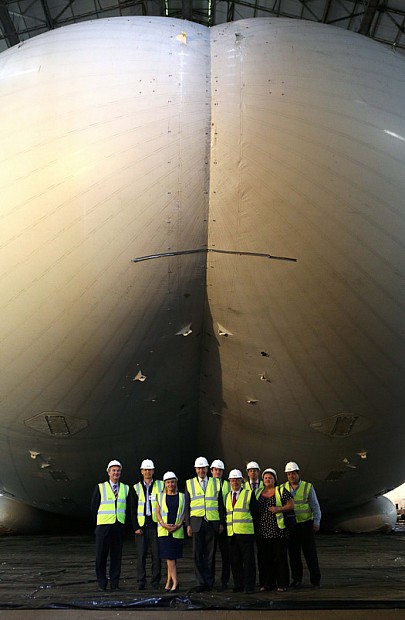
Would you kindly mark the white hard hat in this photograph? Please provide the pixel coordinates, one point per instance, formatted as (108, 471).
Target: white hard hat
(235, 473)
(252, 465)
(218, 463)
(291, 466)
(112, 463)
(201, 461)
(169, 475)
(270, 470)
(147, 464)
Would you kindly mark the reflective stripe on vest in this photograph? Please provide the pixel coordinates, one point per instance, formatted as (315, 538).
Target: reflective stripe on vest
(279, 515)
(157, 487)
(246, 485)
(164, 514)
(110, 510)
(239, 518)
(302, 508)
(204, 504)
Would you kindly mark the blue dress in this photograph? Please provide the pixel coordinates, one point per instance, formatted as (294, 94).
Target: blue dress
(171, 548)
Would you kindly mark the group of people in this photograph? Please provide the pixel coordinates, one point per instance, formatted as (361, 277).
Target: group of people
(237, 516)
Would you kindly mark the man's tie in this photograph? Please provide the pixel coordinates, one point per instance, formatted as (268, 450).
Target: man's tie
(234, 498)
(115, 489)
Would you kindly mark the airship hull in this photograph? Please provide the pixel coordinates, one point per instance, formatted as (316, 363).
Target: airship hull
(203, 254)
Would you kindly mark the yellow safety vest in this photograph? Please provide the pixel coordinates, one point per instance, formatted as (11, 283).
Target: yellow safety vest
(246, 485)
(164, 514)
(239, 518)
(226, 487)
(302, 508)
(279, 515)
(204, 504)
(157, 487)
(110, 510)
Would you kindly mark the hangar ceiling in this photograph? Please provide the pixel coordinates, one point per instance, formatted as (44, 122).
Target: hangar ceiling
(382, 20)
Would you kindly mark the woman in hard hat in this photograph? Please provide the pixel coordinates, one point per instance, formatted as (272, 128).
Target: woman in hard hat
(170, 518)
(271, 534)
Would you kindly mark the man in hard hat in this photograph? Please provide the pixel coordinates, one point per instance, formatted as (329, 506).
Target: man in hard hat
(204, 516)
(108, 506)
(144, 521)
(254, 482)
(221, 539)
(240, 509)
(302, 536)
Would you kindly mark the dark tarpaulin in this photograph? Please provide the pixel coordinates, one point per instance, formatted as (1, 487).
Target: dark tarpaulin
(51, 572)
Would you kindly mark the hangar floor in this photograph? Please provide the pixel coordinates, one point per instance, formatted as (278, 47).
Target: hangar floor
(362, 576)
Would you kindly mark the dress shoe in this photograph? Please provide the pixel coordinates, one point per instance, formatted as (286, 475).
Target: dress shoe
(249, 591)
(315, 586)
(141, 586)
(295, 584)
(115, 586)
(175, 588)
(237, 589)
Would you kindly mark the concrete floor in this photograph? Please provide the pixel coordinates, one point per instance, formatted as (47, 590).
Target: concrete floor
(53, 577)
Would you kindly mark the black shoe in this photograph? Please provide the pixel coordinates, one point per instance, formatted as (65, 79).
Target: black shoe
(115, 587)
(249, 591)
(237, 589)
(222, 588)
(103, 588)
(316, 586)
(295, 584)
(199, 589)
(141, 586)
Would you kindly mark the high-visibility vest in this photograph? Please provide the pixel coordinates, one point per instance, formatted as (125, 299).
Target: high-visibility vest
(226, 487)
(302, 508)
(204, 504)
(111, 510)
(246, 485)
(164, 515)
(239, 518)
(157, 487)
(279, 515)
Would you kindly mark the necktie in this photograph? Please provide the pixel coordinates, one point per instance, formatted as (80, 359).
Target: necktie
(233, 499)
(115, 489)
(204, 484)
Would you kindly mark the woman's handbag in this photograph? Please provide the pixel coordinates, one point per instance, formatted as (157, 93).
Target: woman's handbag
(289, 519)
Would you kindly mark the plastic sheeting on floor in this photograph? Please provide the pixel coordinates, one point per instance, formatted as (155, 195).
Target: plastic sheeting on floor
(49, 572)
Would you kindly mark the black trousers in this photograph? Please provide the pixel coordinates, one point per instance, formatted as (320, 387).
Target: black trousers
(302, 538)
(272, 560)
(221, 541)
(109, 540)
(203, 552)
(242, 556)
(148, 541)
